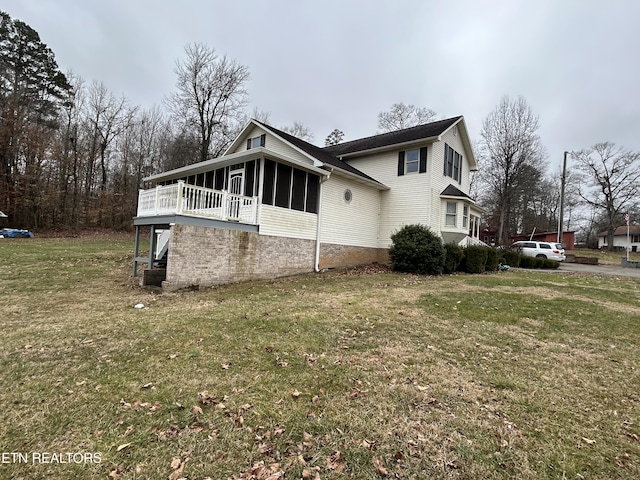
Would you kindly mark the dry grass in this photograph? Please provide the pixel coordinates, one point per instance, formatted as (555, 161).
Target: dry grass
(341, 374)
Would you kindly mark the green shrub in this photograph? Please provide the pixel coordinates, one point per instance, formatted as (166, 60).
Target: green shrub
(511, 258)
(493, 259)
(550, 264)
(528, 262)
(416, 249)
(453, 256)
(475, 259)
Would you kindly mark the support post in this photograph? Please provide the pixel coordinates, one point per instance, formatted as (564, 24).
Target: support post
(152, 246)
(136, 246)
(563, 180)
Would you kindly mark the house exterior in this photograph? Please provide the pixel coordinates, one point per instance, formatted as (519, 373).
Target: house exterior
(275, 205)
(620, 239)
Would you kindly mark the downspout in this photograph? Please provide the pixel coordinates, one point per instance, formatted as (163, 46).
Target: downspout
(317, 259)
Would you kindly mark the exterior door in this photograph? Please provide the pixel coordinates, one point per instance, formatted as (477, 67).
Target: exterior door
(236, 187)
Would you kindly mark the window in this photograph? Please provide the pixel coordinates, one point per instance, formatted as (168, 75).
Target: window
(313, 187)
(269, 178)
(256, 142)
(465, 216)
(452, 163)
(298, 189)
(288, 187)
(283, 185)
(450, 218)
(412, 161)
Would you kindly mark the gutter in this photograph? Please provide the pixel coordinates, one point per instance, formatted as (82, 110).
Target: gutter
(317, 256)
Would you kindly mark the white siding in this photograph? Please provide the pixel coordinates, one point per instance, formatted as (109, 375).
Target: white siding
(409, 199)
(415, 197)
(354, 223)
(274, 144)
(282, 222)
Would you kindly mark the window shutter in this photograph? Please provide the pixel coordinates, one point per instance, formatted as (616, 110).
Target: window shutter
(400, 163)
(248, 144)
(446, 154)
(423, 160)
(263, 139)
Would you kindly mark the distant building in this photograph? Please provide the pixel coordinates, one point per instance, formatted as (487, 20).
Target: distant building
(568, 238)
(620, 238)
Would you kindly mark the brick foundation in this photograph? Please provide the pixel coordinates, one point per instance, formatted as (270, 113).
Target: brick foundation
(205, 256)
(336, 256)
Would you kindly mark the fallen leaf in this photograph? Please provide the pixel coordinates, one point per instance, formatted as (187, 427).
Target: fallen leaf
(175, 463)
(225, 366)
(588, 441)
(123, 446)
(207, 399)
(336, 463)
(147, 385)
(380, 467)
(295, 394)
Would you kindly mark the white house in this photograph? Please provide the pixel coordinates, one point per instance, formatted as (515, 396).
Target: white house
(275, 205)
(620, 239)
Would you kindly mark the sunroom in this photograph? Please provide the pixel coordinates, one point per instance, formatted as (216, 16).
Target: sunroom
(257, 190)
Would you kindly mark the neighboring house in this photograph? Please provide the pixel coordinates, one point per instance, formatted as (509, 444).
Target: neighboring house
(620, 239)
(275, 205)
(568, 238)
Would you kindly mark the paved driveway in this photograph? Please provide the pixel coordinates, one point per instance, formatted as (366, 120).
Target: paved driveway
(614, 270)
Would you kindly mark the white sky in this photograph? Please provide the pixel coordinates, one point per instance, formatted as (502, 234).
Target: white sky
(338, 63)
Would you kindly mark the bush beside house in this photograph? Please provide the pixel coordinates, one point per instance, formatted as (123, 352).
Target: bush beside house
(416, 249)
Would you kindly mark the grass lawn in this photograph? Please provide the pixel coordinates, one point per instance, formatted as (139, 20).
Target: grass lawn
(356, 374)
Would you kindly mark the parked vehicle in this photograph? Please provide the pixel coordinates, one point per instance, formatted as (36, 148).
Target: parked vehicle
(552, 251)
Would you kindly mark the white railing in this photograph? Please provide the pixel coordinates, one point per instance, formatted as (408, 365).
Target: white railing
(184, 199)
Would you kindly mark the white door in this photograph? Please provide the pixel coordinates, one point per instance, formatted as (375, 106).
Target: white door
(236, 187)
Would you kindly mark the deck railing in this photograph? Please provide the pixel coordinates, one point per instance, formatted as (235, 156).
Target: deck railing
(184, 199)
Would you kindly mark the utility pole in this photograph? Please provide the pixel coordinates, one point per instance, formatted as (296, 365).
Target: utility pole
(562, 182)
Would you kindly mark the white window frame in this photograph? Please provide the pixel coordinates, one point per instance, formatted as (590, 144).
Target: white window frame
(451, 218)
(415, 164)
(465, 216)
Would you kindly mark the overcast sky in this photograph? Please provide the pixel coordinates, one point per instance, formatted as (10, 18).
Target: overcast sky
(337, 64)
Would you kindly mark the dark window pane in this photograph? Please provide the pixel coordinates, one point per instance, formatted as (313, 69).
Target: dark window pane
(312, 193)
(283, 185)
(219, 179)
(297, 193)
(249, 178)
(269, 176)
(208, 179)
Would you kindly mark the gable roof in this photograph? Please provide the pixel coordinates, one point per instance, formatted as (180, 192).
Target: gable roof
(622, 231)
(420, 132)
(316, 152)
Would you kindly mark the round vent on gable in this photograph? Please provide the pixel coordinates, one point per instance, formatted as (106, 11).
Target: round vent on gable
(455, 130)
(348, 196)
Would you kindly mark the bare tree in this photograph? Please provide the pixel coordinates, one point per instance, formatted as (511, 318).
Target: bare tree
(210, 97)
(611, 178)
(334, 138)
(299, 130)
(511, 149)
(403, 116)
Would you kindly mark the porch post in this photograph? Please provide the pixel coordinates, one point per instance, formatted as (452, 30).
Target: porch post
(260, 191)
(152, 246)
(135, 251)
